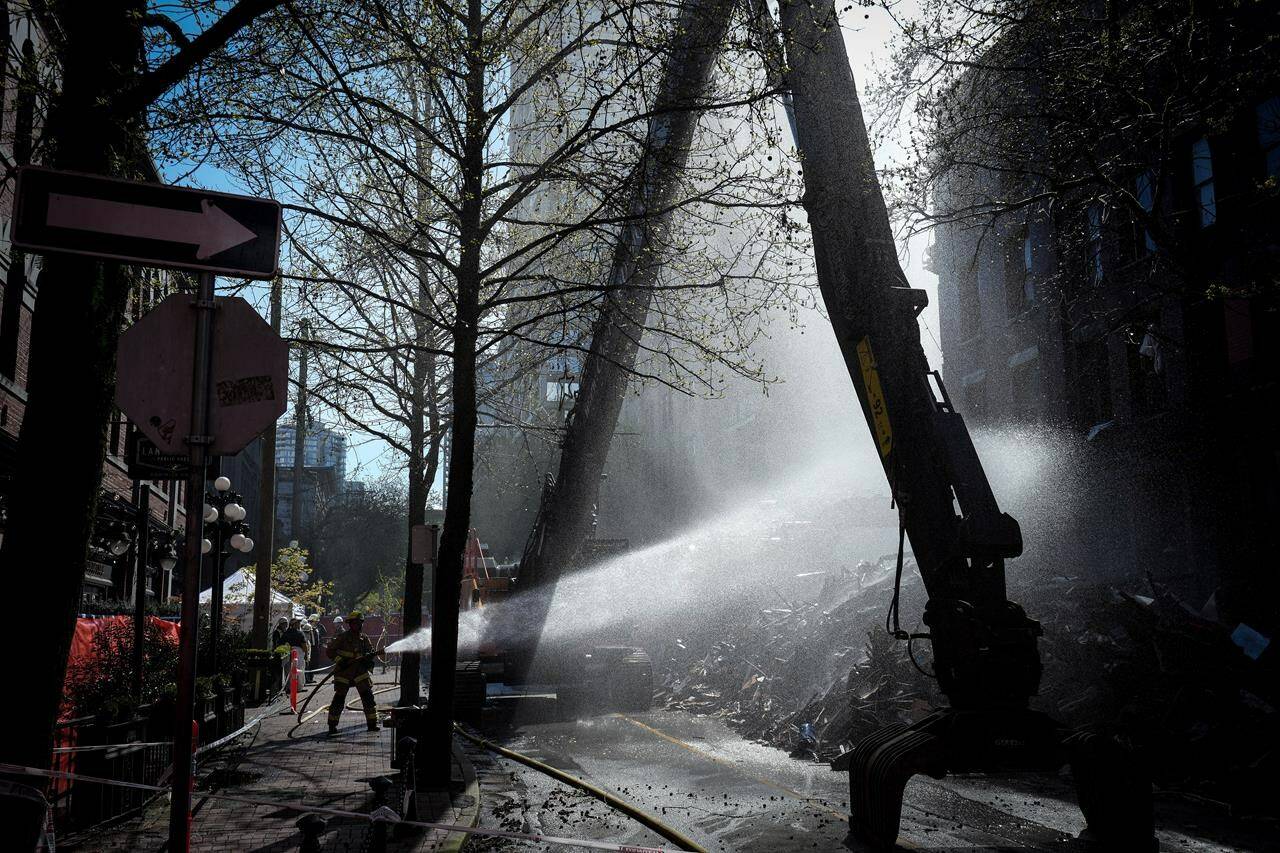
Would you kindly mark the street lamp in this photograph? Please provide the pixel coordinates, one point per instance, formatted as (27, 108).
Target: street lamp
(225, 531)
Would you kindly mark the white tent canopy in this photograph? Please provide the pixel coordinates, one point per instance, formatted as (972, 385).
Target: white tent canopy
(237, 601)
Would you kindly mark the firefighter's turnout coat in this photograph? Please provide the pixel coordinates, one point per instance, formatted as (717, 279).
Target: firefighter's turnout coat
(351, 664)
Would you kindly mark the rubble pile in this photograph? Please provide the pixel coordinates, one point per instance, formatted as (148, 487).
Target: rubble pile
(815, 677)
(828, 664)
(1174, 682)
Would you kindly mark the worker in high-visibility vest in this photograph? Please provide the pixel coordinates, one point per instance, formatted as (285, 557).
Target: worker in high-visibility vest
(352, 655)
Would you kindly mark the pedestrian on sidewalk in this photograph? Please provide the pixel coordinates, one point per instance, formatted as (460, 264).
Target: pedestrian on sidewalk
(353, 656)
(304, 661)
(317, 642)
(282, 625)
(296, 638)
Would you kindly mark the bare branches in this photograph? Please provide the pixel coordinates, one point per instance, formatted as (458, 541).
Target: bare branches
(155, 83)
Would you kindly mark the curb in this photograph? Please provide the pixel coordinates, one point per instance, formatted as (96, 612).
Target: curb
(468, 816)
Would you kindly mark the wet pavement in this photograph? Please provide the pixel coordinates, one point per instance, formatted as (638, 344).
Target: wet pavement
(289, 766)
(728, 794)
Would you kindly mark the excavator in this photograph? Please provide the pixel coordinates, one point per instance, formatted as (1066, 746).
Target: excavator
(985, 655)
(984, 645)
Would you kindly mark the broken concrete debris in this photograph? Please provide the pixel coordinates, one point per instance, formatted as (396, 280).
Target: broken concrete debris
(1197, 698)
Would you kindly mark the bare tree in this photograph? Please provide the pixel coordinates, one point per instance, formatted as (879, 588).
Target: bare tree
(456, 177)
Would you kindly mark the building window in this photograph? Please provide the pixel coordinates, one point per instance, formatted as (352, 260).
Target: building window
(1269, 135)
(1145, 352)
(970, 305)
(1020, 290)
(1024, 381)
(1202, 182)
(1145, 190)
(974, 395)
(561, 389)
(117, 421)
(1095, 242)
(1028, 265)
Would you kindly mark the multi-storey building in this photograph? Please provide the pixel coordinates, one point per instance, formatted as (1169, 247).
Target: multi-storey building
(28, 75)
(109, 571)
(1156, 359)
(324, 463)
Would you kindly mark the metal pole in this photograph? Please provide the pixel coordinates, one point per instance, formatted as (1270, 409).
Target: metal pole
(220, 500)
(142, 548)
(435, 747)
(266, 511)
(215, 603)
(198, 445)
(300, 436)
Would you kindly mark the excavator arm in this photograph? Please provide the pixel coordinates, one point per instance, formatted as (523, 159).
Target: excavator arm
(984, 646)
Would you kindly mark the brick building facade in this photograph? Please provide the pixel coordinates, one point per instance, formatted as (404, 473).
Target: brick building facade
(1162, 372)
(109, 576)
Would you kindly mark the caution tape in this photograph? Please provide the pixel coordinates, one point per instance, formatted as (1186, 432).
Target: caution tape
(62, 750)
(382, 814)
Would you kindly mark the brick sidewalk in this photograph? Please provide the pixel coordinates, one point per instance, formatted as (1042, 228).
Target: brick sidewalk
(280, 764)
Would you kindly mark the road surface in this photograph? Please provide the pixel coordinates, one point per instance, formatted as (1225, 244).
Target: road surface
(729, 794)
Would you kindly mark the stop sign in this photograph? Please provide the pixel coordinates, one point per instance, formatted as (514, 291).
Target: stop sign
(250, 374)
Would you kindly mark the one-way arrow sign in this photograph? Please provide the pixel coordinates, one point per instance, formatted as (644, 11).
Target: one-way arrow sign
(148, 224)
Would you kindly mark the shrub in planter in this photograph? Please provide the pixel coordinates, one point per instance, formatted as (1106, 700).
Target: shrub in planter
(232, 646)
(115, 709)
(104, 681)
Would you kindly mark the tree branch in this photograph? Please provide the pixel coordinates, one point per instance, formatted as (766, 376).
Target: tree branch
(153, 84)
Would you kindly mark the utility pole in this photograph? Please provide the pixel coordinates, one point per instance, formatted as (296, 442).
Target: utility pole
(266, 509)
(300, 433)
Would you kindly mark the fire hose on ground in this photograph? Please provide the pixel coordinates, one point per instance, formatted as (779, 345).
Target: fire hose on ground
(645, 819)
(648, 820)
(382, 814)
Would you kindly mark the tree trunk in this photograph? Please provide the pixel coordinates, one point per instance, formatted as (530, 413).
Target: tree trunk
(461, 474)
(93, 126)
(615, 340)
(419, 485)
(70, 387)
(422, 465)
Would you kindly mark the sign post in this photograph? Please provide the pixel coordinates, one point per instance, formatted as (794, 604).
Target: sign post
(198, 441)
(422, 550)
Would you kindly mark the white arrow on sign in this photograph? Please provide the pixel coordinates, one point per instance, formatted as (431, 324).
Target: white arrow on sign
(212, 229)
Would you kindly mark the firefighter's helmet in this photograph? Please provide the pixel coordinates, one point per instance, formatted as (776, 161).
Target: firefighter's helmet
(355, 616)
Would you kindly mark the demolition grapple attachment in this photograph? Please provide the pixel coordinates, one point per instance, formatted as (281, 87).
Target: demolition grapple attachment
(1114, 794)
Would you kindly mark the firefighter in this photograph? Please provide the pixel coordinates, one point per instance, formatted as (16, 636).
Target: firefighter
(352, 655)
